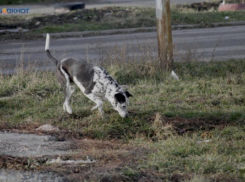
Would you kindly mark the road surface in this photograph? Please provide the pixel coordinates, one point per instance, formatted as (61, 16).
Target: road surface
(221, 44)
(48, 9)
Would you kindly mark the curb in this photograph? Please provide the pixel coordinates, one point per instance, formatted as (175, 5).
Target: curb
(136, 30)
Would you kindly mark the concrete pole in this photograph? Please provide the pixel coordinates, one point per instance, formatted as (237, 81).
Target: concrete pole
(164, 34)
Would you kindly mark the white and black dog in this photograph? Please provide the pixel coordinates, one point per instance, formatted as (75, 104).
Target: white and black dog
(93, 81)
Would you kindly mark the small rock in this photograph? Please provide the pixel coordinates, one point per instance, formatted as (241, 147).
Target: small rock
(37, 23)
(48, 127)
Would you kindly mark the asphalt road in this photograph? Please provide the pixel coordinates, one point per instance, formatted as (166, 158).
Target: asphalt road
(48, 9)
(221, 44)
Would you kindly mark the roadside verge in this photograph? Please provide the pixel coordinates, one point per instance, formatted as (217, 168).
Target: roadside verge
(136, 30)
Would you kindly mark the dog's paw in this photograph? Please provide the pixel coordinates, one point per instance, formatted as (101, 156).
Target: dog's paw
(67, 109)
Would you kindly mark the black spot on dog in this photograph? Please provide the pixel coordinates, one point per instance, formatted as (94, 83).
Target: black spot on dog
(120, 98)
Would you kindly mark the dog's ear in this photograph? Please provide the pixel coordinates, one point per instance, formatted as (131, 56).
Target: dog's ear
(128, 94)
(120, 97)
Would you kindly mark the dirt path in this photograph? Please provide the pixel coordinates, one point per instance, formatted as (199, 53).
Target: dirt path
(21, 176)
(24, 157)
(30, 145)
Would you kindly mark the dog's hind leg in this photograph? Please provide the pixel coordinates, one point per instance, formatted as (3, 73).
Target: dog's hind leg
(69, 89)
(68, 92)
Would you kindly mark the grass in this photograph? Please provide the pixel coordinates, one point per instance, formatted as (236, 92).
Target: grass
(189, 130)
(222, 156)
(206, 91)
(194, 127)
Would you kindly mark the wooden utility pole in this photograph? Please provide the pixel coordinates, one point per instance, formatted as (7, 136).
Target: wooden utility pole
(164, 34)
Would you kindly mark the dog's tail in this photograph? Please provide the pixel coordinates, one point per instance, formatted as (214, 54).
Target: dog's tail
(51, 58)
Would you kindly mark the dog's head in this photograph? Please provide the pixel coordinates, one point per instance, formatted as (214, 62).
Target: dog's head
(121, 101)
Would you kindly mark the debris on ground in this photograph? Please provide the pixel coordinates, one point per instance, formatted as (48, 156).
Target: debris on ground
(173, 74)
(48, 127)
(60, 161)
(204, 141)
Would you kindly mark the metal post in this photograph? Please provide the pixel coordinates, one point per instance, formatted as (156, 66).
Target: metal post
(164, 34)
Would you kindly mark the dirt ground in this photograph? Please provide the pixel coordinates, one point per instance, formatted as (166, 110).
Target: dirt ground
(113, 159)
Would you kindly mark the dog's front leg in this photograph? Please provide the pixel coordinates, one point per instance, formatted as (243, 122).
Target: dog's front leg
(99, 103)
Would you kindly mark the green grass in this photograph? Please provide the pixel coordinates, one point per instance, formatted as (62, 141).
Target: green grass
(172, 119)
(222, 156)
(207, 91)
